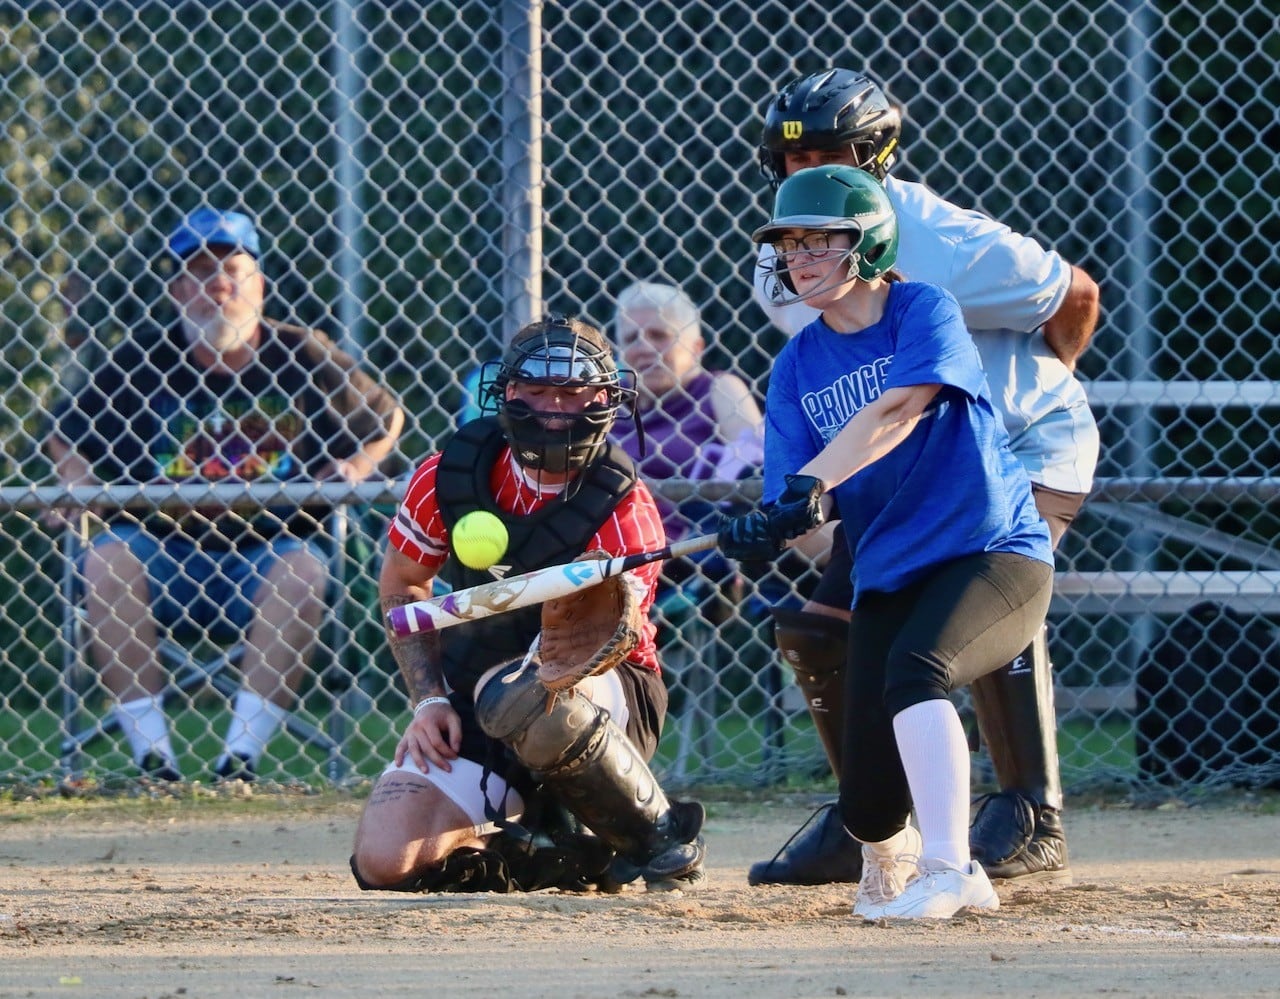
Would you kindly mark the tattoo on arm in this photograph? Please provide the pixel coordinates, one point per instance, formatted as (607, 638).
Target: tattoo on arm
(417, 655)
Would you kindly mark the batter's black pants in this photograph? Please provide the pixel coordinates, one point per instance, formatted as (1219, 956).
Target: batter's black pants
(968, 618)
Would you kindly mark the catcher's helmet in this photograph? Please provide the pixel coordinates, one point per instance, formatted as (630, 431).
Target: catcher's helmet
(834, 109)
(557, 351)
(837, 198)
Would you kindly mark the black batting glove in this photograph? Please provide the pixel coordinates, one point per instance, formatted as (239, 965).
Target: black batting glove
(763, 534)
(747, 538)
(798, 510)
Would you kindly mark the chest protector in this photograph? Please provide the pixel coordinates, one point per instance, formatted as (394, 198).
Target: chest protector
(556, 533)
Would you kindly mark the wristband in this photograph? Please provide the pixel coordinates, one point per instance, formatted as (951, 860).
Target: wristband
(417, 708)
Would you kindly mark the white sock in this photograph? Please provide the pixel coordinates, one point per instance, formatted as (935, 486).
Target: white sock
(935, 756)
(144, 724)
(254, 721)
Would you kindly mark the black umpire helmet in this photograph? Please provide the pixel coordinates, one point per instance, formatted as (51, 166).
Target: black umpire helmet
(556, 351)
(834, 109)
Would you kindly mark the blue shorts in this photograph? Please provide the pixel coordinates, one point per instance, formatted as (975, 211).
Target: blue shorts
(210, 589)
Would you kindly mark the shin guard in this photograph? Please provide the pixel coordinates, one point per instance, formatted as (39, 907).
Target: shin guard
(589, 766)
(1015, 712)
(607, 785)
(816, 646)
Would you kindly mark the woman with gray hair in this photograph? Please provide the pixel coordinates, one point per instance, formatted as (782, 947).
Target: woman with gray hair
(698, 424)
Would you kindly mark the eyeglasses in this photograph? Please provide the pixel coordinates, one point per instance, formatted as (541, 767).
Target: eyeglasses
(816, 244)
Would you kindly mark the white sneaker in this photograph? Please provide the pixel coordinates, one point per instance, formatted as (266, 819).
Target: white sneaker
(939, 891)
(884, 878)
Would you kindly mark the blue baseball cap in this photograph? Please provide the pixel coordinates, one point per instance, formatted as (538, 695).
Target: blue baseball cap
(207, 227)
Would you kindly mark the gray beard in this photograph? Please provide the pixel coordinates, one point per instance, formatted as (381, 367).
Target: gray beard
(215, 333)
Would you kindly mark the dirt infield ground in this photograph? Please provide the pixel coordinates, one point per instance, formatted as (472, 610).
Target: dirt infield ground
(175, 901)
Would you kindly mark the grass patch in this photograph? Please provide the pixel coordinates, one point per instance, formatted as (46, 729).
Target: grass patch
(728, 750)
(141, 802)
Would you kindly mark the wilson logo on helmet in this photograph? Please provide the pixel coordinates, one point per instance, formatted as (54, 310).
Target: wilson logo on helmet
(792, 130)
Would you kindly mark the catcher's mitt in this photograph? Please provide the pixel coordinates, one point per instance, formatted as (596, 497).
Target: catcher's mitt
(589, 632)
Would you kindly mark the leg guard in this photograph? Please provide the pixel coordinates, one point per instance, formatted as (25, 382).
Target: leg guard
(590, 766)
(816, 646)
(1017, 834)
(820, 852)
(1015, 712)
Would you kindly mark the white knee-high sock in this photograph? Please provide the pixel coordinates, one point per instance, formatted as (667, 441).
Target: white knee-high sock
(144, 724)
(935, 756)
(254, 721)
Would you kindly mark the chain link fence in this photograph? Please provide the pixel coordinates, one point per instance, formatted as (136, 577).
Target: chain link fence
(429, 175)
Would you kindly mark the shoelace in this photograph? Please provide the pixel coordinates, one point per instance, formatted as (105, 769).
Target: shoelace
(929, 875)
(826, 806)
(883, 877)
(1022, 811)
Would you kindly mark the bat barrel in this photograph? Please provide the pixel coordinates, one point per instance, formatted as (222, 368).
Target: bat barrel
(525, 589)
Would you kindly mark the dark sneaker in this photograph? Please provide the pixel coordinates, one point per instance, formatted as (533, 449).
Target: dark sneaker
(818, 853)
(1016, 839)
(680, 865)
(236, 767)
(156, 767)
(681, 852)
(685, 882)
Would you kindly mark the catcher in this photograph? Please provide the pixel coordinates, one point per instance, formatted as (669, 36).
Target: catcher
(524, 765)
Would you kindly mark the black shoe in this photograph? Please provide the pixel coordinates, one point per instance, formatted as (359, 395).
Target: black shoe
(818, 853)
(678, 863)
(156, 767)
(236, 766)
(1016, 839)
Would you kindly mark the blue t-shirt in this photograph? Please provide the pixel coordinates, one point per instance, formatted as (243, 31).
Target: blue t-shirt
(953, 488)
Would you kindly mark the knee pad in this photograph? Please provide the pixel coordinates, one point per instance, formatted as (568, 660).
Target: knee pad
(541, 729)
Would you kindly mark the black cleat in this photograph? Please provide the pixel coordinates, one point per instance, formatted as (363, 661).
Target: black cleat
(236, 767)
(818, 853)
(678, 862)
(156, 767)
(1016, 839)
(680, 865)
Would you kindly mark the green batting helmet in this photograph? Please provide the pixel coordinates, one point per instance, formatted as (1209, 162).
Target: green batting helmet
(838, 199)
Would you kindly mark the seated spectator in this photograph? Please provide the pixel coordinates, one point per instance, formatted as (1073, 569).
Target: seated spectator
(223, 395)
(697, 423)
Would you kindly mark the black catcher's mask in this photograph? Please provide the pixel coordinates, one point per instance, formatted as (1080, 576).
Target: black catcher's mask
(556, 351)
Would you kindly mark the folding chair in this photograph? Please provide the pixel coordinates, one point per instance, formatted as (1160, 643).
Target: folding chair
(191, 675)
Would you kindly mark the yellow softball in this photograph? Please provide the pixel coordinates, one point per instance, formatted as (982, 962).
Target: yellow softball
(479, 539)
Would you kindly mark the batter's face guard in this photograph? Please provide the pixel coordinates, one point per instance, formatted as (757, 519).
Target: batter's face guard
(834, 109)
(560, 353)
(813, 203)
